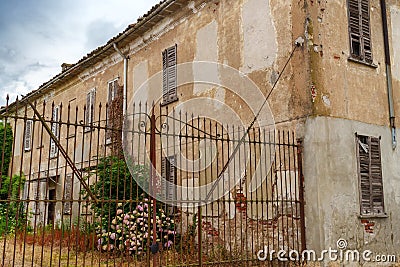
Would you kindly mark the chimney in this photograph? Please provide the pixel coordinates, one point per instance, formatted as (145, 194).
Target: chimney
(65, 66)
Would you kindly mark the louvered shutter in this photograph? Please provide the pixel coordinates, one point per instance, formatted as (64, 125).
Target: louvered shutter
(164, 178)
(370, 173)
(68, 193)
(28, 135)
(359, 30)
(171, 178)
(110, 99)
(170, 74)
(165, 77)
(92, 104)
(116, 89)
(354, 28)
(365, 31)
(87, 111)
(55, 131)
(376, 177)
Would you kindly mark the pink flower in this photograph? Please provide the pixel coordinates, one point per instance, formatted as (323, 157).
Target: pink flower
(140, 208)
(168, 244)
(119, 211)
(112, 236)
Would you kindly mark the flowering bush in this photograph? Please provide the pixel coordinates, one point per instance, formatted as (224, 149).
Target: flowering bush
(129, 231)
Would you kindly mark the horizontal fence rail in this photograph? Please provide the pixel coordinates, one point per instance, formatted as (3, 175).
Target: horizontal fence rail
(157, 187)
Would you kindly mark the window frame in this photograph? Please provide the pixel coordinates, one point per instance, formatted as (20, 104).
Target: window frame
(369, 150)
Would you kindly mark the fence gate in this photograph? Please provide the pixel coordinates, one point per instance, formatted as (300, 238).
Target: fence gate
(81, 188)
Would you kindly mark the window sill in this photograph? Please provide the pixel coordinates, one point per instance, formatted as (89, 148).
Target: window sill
(371, 216)
(169, 101)
(356, 60)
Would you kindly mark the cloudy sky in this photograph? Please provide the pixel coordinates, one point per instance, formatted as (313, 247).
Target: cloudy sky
(37, 36)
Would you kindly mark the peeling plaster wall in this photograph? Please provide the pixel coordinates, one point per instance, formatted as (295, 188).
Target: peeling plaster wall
(254, 36)
(331, 188)
(395, 27)
(259, 36)
(140, 76)
(344, 88)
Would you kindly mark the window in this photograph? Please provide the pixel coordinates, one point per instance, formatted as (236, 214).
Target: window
(89, 113)
(370, 176)
(169, 75)
(28, 135)
(55, 129)
(168, 172)
(114, 109)
(359, 30)
(112, 90)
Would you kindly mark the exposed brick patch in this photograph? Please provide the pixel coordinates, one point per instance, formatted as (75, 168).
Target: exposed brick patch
(241, 202)
(368, 226)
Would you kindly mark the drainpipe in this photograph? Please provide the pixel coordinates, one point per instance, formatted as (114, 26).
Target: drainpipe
(125, 76)
(388, 73)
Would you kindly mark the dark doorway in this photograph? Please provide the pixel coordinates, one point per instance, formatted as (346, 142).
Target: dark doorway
(51, 207)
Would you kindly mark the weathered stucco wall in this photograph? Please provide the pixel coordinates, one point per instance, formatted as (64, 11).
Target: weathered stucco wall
(395, 22)
(332, 187)
(344, 88)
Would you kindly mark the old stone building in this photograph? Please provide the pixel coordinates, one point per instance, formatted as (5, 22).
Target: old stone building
(339, 93)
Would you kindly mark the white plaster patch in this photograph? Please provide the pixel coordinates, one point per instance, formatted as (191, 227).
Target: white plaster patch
(206, 50)
(326, 100)
(259, 36)
(395, 19)
(140, 76)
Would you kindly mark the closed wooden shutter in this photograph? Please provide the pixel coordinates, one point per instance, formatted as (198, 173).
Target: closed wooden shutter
(90, 106)
(370, 174)
(168, 171)
(55, 130)
(68, 193)
(359, 30)
(366, 31)
(28, 135)
(170, 74)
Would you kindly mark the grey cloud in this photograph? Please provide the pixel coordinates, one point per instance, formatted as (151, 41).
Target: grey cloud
(98, 32)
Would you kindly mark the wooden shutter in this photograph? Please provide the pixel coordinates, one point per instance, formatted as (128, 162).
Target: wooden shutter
(168, 171)
(365, 31)
(170, 74)
(87, 111)
(370, 174)
(28, 135)
(376, 176)
(90, 105)
(359, 30)
(55, 130)
(354, 28)
(164, 175)
(165, 77)
(68, 193)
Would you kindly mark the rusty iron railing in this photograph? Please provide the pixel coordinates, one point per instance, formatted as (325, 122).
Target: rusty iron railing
(73, 194)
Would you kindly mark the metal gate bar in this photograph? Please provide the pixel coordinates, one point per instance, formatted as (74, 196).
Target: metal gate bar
(75, 191)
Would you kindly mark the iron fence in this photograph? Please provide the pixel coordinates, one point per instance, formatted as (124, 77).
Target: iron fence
(80, 187)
